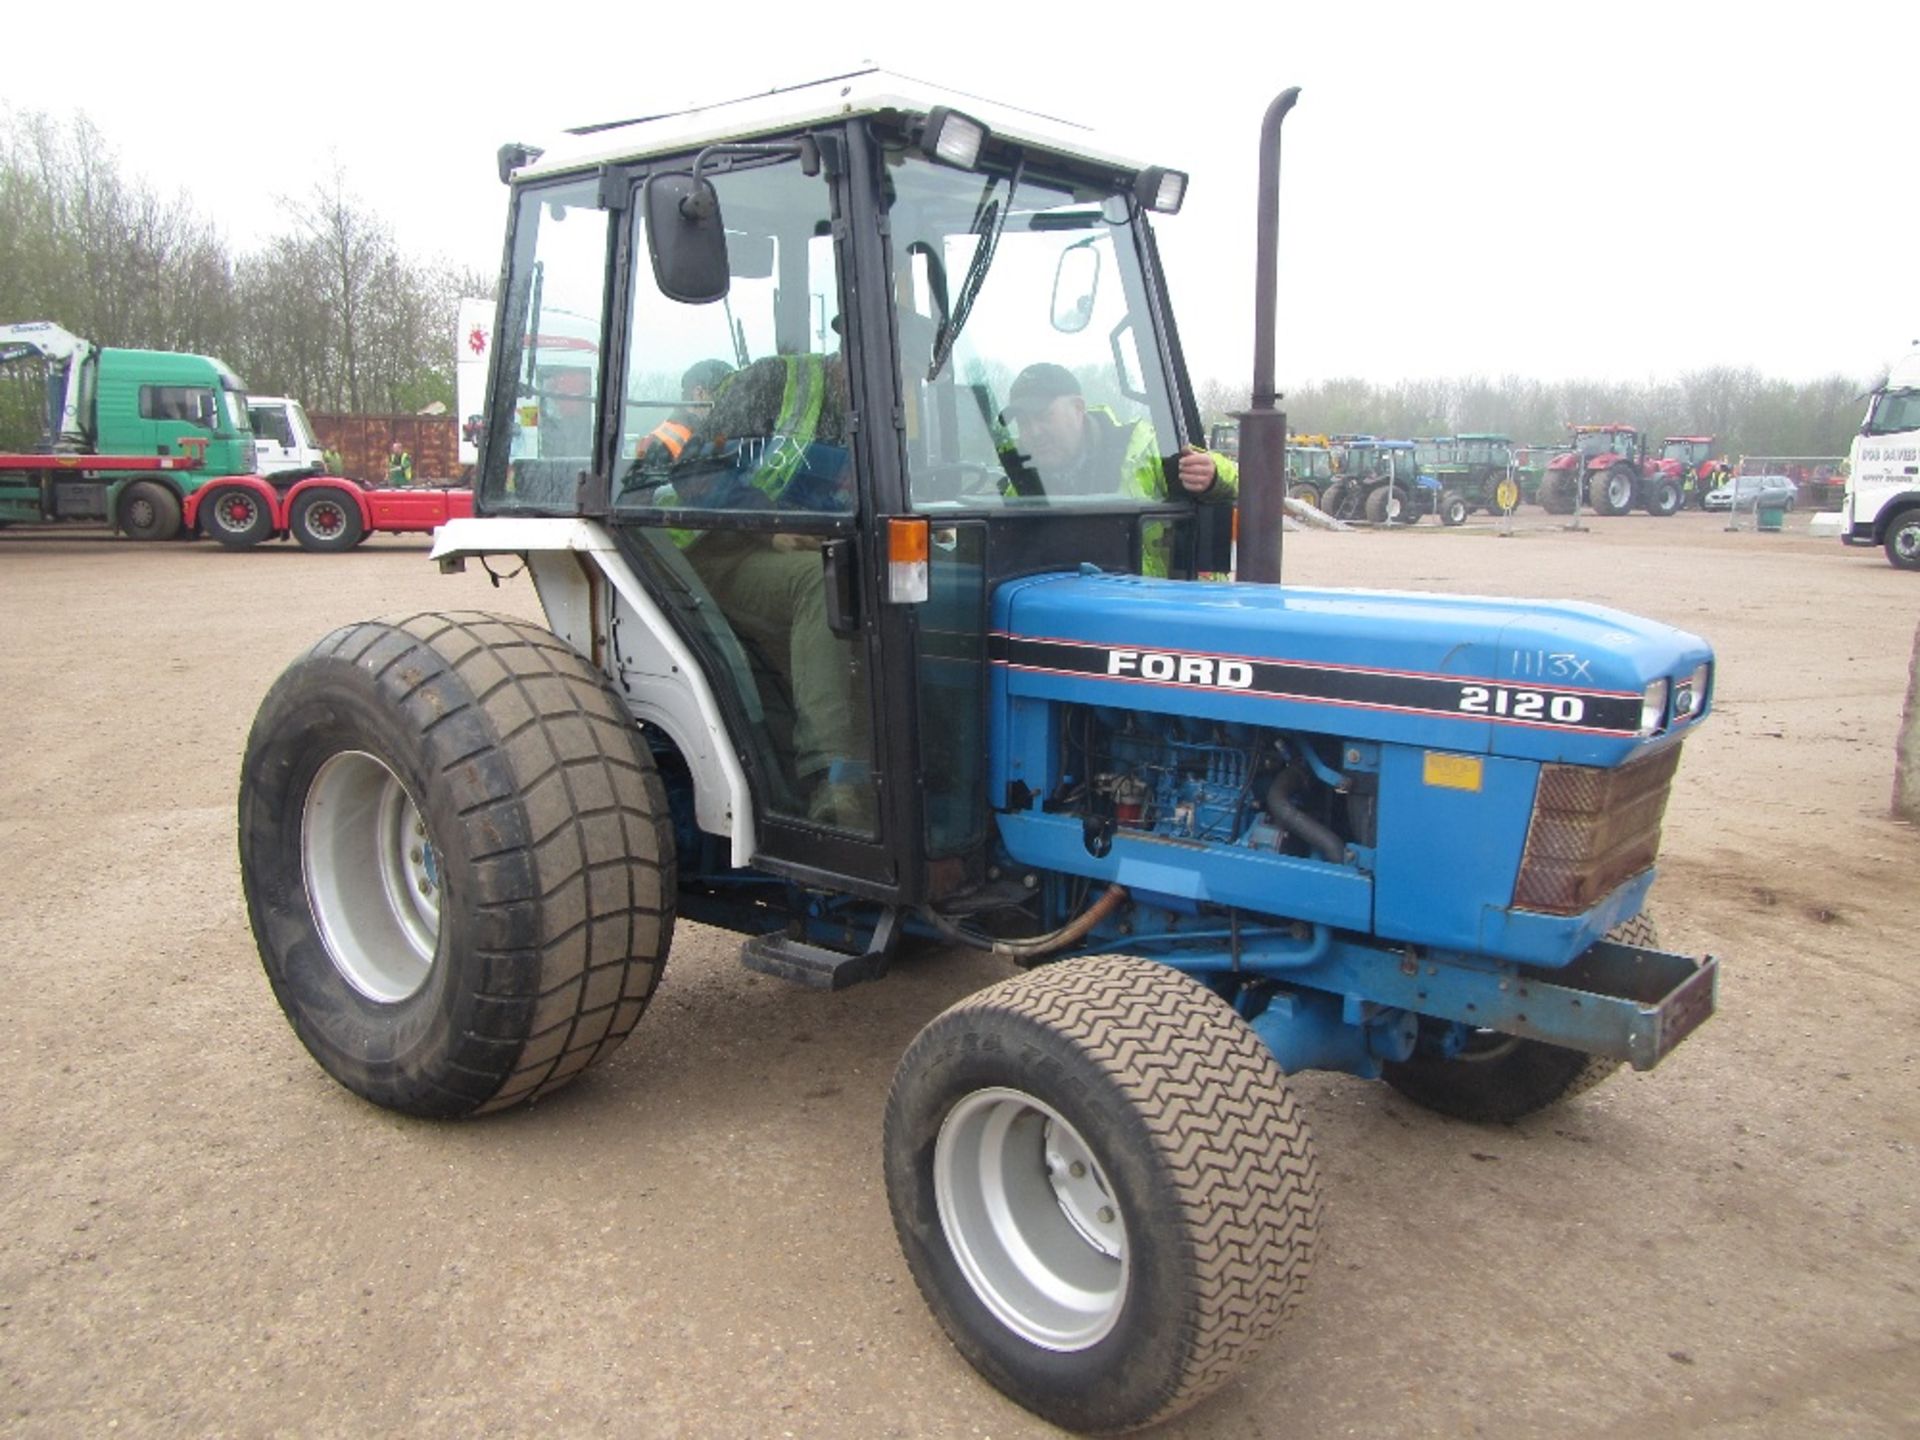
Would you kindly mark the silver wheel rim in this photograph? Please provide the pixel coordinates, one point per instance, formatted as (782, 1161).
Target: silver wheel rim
(1031, 1219)
(1906, 542)
(372, 877)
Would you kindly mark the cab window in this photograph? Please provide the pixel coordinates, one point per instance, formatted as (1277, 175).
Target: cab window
(181, 404)
(549, 363)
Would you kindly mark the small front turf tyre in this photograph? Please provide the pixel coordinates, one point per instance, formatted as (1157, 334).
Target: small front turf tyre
(1306, 492)
(326, 519)
(1903, 540)
(1663, 497)
(236, 517)
(457, 861)
(1453, 509)
(1103, 1187)
(149, 511)
(1504, 1078)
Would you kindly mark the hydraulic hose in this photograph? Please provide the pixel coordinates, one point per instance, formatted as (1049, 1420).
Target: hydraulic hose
(1037, 945)
(1295, 821)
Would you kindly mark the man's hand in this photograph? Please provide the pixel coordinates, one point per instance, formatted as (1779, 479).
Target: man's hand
(1196, 470)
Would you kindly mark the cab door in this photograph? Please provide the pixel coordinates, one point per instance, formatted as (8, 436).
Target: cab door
(722, 443)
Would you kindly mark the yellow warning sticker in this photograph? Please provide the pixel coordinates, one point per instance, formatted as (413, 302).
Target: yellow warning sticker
(1452, 772)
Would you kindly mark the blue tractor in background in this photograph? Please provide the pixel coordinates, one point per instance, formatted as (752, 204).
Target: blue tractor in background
(1383, 483)
(831, 662)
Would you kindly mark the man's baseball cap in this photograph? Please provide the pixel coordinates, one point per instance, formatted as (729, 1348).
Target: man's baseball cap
(704, 375)
(1038, 386)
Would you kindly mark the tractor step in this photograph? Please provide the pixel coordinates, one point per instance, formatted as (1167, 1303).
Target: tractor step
(817, 967)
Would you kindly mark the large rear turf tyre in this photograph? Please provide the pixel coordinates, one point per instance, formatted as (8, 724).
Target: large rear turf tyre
(457, 861)
(1501, 1077)
(1103, 1188)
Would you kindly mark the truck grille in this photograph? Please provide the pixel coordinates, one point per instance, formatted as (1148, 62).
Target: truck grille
(1592, 830)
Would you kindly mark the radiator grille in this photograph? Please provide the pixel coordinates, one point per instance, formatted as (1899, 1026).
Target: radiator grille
(1592, 830)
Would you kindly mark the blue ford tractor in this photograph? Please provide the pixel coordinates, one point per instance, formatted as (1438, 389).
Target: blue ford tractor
(832, 660)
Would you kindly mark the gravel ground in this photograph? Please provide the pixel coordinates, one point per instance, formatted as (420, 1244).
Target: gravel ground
(201, 1234)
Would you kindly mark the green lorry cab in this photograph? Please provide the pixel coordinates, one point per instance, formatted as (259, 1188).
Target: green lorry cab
(123, 436)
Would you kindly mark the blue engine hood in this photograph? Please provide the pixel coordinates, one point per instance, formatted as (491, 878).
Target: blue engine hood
(1544, 680)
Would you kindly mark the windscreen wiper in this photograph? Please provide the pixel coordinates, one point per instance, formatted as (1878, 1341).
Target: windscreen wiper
(988, 223)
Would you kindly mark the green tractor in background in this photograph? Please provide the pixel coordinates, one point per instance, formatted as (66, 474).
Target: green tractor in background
(1478, 468)
(1310, 460)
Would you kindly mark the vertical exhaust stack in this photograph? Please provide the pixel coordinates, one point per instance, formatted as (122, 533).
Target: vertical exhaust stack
(1263, 428)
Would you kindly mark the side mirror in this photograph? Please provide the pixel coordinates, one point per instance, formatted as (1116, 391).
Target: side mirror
(1076, 280)
(686, 240)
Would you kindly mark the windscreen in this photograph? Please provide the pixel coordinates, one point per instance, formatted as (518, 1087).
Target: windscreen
(1030, 370)
(1894, 412)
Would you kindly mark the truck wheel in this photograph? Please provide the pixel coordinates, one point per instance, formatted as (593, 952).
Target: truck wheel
(326, 520)
(149, 511)
(1663, 497)
(1501, 1077)
(1103, 1187)
(1903, 540)
(1453, 509)
(235, 517)
(457, 860)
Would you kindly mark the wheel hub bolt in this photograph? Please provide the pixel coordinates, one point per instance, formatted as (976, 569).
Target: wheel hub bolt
(1106, 1215)
(426, 886)
(1077, 1170)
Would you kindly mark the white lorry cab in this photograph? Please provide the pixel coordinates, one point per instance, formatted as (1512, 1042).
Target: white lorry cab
(283, 440)
(1883, 471)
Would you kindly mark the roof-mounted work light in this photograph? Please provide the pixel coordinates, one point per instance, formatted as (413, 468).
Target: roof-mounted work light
(1161, 190)
(952, 138)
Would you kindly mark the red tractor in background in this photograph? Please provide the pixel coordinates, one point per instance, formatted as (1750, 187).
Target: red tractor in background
(1690, 460)
(1607, 464)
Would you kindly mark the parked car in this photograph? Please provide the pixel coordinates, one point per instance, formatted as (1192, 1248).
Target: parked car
(1746, 492)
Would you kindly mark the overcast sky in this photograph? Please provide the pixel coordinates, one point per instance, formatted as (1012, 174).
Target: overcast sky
(1614, 191)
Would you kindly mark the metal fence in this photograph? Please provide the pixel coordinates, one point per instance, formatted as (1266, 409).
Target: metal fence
(1820, 479)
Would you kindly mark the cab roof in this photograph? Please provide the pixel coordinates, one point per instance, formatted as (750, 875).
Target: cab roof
(864, 91)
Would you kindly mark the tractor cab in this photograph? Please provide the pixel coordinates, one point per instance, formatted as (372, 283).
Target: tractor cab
(827, 382)
(1600, 446)
(1690, 451)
